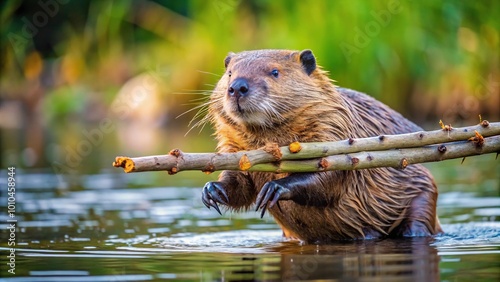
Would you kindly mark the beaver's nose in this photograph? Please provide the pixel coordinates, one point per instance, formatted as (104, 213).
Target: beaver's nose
(238, 88)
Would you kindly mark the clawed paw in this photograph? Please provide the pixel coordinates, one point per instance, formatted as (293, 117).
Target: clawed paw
(213, 193)
(270, 194)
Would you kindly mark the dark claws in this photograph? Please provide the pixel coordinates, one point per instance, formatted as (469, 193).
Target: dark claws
(211, 195)
(263, 211)
(210, 203)
(269, 196)
(275, 198)
(279, 208)
(260, 203)
(216, 207)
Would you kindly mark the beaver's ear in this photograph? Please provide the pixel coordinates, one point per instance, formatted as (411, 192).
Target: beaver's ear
(228, 59)
(308, 61)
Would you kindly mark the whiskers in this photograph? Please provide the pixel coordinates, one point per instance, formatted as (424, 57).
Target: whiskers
(267, 112)
(275, 108)
(201, 106)
(210, 73)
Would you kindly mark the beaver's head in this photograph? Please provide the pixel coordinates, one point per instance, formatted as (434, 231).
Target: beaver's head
(265, 87)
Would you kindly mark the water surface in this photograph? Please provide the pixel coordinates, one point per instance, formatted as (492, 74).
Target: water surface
(113, 229)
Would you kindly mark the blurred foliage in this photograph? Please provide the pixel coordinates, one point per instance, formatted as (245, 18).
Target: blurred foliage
(67, 59)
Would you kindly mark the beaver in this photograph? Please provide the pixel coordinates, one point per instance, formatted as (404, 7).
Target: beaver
(282, 96)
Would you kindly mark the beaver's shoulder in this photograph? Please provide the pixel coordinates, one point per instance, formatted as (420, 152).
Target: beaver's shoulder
(376, 117)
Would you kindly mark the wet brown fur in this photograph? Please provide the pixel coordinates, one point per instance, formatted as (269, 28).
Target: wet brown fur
(295, 106)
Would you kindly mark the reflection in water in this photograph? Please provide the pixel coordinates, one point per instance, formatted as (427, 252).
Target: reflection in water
(411, 260)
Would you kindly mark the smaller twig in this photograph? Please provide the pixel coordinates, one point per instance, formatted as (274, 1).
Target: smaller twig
(391, 158)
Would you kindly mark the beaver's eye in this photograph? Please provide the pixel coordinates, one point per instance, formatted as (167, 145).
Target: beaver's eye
(275, 72)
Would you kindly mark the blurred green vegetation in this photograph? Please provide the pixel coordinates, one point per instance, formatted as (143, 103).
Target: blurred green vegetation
(67, 65)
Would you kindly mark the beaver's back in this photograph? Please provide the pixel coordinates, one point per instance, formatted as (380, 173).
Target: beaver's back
(374, 117)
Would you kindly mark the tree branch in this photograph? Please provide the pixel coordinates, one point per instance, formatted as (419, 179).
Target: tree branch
(382, 151)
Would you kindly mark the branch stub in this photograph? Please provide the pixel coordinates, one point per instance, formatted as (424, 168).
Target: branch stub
(175, 152)
(404, 163)
(323, 163)
(126, 163)
(245, 163)
(442, 149)
(295, 147)
(274, 150)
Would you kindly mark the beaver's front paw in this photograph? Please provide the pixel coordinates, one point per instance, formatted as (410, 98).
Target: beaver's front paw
(271, 193)
(211, 195)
